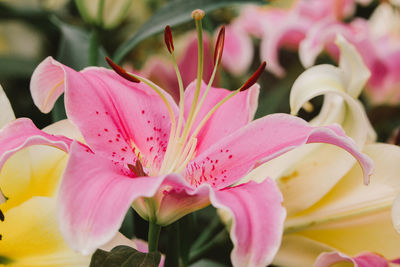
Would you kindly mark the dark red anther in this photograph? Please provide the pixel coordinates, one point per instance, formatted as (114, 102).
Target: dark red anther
(219, 46)
(121, 72)
(137, 169)
(253, 79)
(168, 39)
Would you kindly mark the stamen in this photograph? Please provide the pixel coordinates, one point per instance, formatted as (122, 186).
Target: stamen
(253, 79)
(137, 169)
(121, 71)
(1, 216)
(186, 155)
(219, 46)
(197, 14)
(168, 39)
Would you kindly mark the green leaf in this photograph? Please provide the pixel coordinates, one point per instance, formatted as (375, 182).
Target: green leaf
(124, 256)
(174, 13)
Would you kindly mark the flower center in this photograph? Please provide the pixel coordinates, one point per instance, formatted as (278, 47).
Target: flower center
(182, 141)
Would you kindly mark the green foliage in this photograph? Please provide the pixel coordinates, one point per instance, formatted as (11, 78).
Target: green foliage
(124, 256)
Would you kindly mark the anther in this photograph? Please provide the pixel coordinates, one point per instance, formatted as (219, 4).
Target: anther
(253, 79)
(1, 216)
(219, 46)
(168, 39)
(121, 71)
(197, 14)
(137, 169)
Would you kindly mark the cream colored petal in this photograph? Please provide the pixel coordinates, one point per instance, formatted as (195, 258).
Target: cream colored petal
(30, 236)
(368, 232)
(66, 128)
(47, 167)
(396, 214)
(350, 196)
(355, 73)
(298, 251)
(6, 111)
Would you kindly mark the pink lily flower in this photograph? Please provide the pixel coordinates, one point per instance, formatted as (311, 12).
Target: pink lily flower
(376, 39)
(168, 160)
(281, 27)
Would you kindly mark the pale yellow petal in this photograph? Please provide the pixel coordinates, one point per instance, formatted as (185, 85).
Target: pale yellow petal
(350, 196)
(15, 177)
(298, 251)
(368, 232)
(396, 214)
(355, 73)
(6, 111)
(65, 128)
(30, 236)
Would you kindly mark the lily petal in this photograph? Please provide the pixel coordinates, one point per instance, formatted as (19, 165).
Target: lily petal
(366, 259)
(298, 251)
(30, 236)
(238, 50)
(350, 197)
(235, 155)
(6, 112)
(290, 33)
(356, 73)
(47, 84)
(110, 124)
(28, 135)
(94, 197)
(221, 122)
(396, 214)
(256, 235)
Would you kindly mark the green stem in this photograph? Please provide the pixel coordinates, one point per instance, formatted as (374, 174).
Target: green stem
(153, 235)
(94, 47)
(208, 232)
(197, 254)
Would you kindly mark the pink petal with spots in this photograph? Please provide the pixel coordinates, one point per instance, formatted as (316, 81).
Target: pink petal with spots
(94, 197)
(23, 133)
(120, 115)
(258, 217)
(238, 50)
(47, 84)
(225, 162)
(366, 259)
(232, 115)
